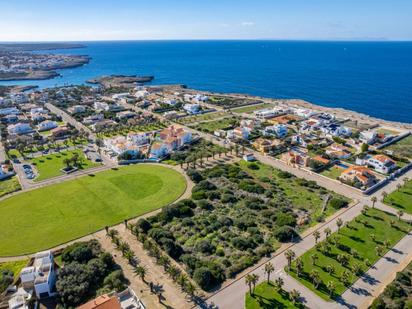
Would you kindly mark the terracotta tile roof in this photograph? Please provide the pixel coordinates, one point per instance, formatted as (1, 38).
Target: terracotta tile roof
(102, 302)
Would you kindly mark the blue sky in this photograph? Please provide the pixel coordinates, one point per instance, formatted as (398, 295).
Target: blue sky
(31, 20)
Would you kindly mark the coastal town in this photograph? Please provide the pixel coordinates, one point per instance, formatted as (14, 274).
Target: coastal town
(128, 195)
(18, 63)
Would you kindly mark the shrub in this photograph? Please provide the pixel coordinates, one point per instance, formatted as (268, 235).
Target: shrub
(253, 166)
(143, 225)
(284, 233)
(204, 278)
(194, 175)
(242, 243)
(205, 246)
(285, 219)
(81, 252)
(228, 198)
(338, 203)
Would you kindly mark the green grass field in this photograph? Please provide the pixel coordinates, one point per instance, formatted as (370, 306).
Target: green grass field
(43, 218)
(15, 267)
(251, 108)
(266, 296)
(49, 166)
(356, 237)
(402, 198)
(9, 185)
(332, 172)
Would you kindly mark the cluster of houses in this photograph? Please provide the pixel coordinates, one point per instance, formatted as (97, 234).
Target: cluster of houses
(148, 145)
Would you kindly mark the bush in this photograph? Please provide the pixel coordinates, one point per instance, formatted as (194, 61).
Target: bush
(284, 233)
(228, 198)
(251, 186)
(253, 166)
(205, 246)
(116, 281)
(6, 278)
(338, 203)
(285, 219)
(143, 225)
(81, 252)
(194, 175)
(242, 243)
(204, 278)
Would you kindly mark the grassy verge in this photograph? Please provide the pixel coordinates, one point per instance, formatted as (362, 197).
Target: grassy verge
(9, 185)
(49, 166)
(401, 198)
(358, 242)
(266, 296)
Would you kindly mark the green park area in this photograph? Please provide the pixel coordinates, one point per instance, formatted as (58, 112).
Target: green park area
(9, 185)
(266, 296)
(333, 265)
(401, 198)
(50, 165)
(45, 217)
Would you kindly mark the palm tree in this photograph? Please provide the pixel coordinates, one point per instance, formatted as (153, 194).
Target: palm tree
(379, 250)
(373, 237)
(123, 247)
(249, 282)
(316, 235)
(130, 256)
(400, 214)
(339, 223)
(374, 199)
(255, 279)
(384, 195)
(182, 280)
(356, 268)
(173, 272)
(294, 296)
(279, 283)
(330, 269)
(190, 289)
(269, 269)
(299, 267)
(140, 271)
(290, 255)
(331, 287)
(387, 243)
(314, 275)
(345, 277)
(327, 232)
(405, 181)
(112, 233)
(314, 257)
(398, 187)
(164, 261)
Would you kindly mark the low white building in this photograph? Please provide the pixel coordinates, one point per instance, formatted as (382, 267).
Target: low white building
(368, 137)
(279, 131)
(304, 113)
(41, 277)
(192, 108)
(19, 128)
(47, 125)
(77, 109)
(381, 163)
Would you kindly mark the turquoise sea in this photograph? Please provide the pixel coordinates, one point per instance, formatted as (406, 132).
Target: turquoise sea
(374, 78)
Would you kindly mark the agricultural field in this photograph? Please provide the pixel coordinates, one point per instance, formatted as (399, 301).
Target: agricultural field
(402, 148)
(45, 217)
(401, 198)
(251, 108)
(265, 295)
(123, 130)
(336, 263)
(50, 165)
(220, 124)
(236, 216)
(9, 185)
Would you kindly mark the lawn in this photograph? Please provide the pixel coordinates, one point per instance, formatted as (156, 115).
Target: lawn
(403, 148)
(43, 218)
(354, 242)
(266, 296)
(401, 198)
(9, 185)
(332, 172)
(15, 267)
(49, 166)
(251, 108)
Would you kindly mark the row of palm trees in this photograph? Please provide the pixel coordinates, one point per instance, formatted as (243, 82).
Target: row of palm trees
(252, 279)
(162, 259)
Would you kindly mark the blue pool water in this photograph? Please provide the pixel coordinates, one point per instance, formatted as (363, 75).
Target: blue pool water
(369, 77)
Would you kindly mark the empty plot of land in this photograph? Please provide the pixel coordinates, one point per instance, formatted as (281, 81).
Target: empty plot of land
(401, 198)
(251, 108)
(47, 217)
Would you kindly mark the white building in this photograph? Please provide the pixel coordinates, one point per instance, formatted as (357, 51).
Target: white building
(19, 128)
(41, 276)
(304, 113)
(269, 113)
(382, 164)
(47, 125)
(77, 109)
(368, 137)
(37, 110)
(192, 108)
(101, 106)
(279, 130)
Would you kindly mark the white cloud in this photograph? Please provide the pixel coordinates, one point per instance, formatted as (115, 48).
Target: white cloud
(247, 24)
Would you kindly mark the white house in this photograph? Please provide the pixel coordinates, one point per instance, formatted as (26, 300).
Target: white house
(37, 110)
(101, 106)
(41, 276)
(159, 150)
(192, 108)
(304, 113)
(93, 118)
(278, 130)
(381, 163)
(19, 128)
(77, 109)
(47, 125)
(368, 137)
(268, 113)
(9, 111)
